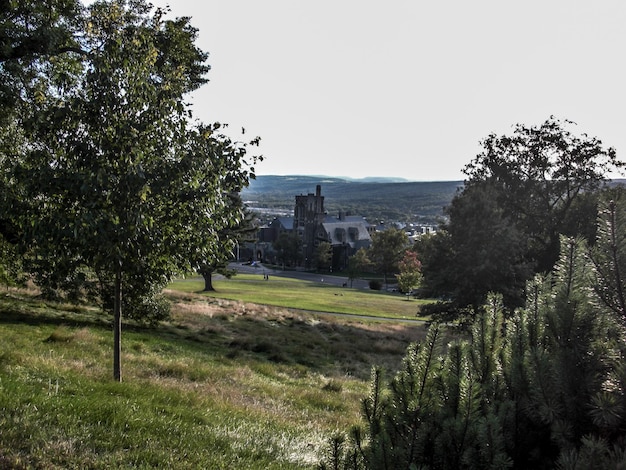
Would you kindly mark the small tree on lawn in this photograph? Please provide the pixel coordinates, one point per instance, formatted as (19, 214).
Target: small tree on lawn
(358, 263)
(387, 250)
(115, 180)
(324, 256)
(410, 272)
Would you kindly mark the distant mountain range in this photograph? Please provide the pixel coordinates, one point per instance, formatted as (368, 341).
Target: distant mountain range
(376, 199)
(387, 199)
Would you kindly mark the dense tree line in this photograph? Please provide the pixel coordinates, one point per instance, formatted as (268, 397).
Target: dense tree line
(109, 186)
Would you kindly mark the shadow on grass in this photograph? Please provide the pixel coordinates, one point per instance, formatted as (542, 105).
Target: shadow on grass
(325, 344)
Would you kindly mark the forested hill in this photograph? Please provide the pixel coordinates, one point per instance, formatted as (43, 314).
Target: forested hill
(376, 199)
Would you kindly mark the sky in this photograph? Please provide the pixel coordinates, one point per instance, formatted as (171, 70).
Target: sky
(405, 88)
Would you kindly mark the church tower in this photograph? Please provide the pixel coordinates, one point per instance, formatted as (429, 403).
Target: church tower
(308, 214)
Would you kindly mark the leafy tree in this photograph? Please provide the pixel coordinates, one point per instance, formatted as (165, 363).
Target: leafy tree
(386, 250)
(410, 272)
(323, 256)
(115, 179)
(538, 174)
(486, 252)
(521, 193)
(31, 33)
(289, 248)
(228, 237)
(357, 263)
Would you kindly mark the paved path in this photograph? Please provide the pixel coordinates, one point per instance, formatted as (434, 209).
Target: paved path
(306, 276)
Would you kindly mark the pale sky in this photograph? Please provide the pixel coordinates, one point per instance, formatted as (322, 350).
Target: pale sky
(405, 88)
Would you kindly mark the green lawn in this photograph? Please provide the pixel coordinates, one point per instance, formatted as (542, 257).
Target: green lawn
(219, 386)
(307, 295)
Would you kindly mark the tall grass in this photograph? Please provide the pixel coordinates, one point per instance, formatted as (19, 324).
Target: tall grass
(224, 384)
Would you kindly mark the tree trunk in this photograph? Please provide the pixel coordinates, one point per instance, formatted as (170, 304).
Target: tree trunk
(208, 281)
(117, 327)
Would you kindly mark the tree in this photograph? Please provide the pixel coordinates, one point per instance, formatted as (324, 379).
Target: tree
(323, 256)
(386, 250)
(538, 174)
(289, 248)
(410, 272)
(609, 253)
(521, 193)
(115, 179)
(541, 389)
(486, 252)
(229, 236)
(357, 263)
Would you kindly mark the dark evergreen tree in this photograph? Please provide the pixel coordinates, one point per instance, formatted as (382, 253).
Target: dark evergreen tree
(542, 389)
(609, 253)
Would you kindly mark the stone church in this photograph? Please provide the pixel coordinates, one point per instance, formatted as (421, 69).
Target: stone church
(313, 225)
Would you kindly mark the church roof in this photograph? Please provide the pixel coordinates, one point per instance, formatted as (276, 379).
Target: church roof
(352, 232)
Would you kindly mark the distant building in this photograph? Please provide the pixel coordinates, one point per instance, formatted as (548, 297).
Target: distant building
(308, 214)
(313, 225)
(346, 234)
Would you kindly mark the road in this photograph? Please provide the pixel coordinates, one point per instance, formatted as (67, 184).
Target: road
(306, 276)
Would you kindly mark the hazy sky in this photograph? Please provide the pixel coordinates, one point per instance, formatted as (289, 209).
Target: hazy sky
(405, 88)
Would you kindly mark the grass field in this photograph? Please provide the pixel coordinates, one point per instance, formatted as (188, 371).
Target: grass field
(306, 295)
(226, 384)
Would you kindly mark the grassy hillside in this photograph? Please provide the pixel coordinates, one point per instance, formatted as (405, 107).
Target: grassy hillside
(294, 293)
(402, 201)
(224, 384)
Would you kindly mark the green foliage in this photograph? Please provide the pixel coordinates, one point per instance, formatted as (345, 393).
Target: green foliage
(486, 252)
(386, 250)
(522, 192)
(323, 256)
(609, 253)
(410, 272)
(113, 179)
(288, 248)
(541, 389)
(11, 271)
(357, 264)
(31, 33)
